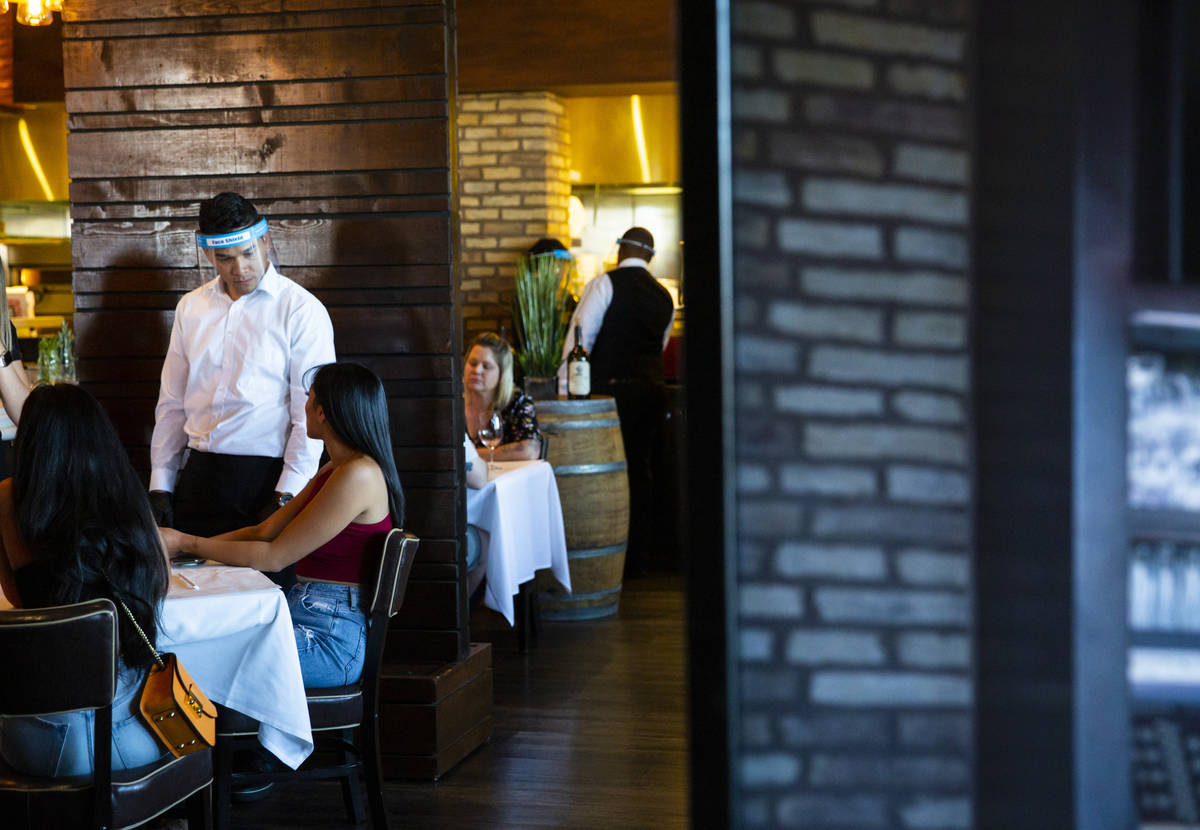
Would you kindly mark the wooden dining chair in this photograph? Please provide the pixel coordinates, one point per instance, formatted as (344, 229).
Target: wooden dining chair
(345, 710)
(64, 659)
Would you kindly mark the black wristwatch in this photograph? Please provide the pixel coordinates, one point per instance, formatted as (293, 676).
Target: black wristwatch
(6, 358)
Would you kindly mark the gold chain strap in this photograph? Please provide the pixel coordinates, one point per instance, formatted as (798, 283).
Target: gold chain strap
(142, 634)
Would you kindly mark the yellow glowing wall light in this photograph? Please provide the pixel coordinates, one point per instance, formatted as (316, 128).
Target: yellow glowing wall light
(27, 143)
(34, 12)
(639, 135)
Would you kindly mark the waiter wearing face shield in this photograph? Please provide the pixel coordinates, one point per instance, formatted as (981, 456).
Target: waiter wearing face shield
(229, 443)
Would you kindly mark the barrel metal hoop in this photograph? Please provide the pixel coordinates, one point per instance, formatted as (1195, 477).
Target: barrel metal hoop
(591, 553)
(607, 592)
(558, 426)
(577, 407)
(590, 469)
(579, 613)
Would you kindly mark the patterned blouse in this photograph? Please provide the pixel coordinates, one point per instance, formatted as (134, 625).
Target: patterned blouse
(520, 421)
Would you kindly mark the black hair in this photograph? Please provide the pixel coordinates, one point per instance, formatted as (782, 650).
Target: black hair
(548, 245)
(356, 409)
(226, 212)
(83, 512)
(637, 242)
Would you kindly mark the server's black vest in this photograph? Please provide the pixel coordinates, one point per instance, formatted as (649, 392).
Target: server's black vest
(629, 344)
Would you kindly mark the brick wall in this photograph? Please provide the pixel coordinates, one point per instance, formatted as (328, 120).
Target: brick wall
(514, 189)
(852, 209)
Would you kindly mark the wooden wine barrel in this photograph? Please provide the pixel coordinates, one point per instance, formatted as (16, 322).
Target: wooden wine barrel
(588, 457)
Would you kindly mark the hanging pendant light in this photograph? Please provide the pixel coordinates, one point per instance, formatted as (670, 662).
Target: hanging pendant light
(33, 12)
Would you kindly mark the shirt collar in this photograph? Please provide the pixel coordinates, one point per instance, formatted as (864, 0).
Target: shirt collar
(632, 262)
(269, 284)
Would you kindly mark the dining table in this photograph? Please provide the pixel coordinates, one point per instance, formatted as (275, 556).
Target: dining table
(521, 516)
(231, 629)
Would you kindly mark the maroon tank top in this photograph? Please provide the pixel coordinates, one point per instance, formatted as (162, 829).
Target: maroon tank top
(350, 556)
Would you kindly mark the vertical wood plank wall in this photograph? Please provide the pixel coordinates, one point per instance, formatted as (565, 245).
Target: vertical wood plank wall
(335, 118)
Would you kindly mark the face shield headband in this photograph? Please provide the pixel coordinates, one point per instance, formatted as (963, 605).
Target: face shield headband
(635, 243)
(557, 253)
(228, 240)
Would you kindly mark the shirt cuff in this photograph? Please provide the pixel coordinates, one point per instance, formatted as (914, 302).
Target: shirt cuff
(290, 482)
(163, 479)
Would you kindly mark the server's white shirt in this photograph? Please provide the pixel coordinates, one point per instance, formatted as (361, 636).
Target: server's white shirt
(233, 378)
(589, 316)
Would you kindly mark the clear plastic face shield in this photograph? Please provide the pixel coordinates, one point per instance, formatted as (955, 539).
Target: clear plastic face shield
(641, 251)
(565, 263)
(239, 258)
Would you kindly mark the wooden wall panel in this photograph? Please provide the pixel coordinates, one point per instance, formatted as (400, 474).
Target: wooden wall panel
(335, 118)
(279, 148)
(83, 11)
(37, 61)
(239, 58)
(543, 44)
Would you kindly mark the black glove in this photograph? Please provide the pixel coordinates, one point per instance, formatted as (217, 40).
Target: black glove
(277, 501)
(161, 509)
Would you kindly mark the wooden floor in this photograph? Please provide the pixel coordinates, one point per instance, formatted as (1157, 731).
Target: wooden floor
(589, 733)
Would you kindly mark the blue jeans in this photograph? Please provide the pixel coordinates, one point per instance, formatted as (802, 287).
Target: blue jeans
(331, 633)
(472, 546)
(60, 745)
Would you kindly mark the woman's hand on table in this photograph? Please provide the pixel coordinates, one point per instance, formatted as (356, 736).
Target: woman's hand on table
(172, 540)
(527, 450)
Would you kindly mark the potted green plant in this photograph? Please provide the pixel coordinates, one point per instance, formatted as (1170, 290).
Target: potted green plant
(540, 319)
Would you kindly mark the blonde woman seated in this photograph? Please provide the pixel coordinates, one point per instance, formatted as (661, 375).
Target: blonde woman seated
(488, 387)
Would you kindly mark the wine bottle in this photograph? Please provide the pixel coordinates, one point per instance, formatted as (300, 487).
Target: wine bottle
(579, 370)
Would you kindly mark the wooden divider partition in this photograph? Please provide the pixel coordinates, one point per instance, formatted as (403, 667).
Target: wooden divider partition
(336, 118)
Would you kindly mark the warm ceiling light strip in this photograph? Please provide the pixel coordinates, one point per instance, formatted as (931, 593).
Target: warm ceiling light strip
(27, 143)
(639, 135)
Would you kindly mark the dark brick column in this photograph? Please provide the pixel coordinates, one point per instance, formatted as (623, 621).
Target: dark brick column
(852, 240)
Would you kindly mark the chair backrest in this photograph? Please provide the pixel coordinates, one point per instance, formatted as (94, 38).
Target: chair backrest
(395, 565)
(59, 659)
(64, 659)
(399, 551)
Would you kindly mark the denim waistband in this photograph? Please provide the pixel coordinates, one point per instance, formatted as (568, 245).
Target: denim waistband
(330, 591)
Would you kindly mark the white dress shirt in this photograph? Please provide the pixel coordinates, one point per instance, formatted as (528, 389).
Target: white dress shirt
(233, 378)
(589, 315)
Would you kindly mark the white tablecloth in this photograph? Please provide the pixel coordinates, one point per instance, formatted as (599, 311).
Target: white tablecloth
(520, 511)
(233, 633)
(234, 636)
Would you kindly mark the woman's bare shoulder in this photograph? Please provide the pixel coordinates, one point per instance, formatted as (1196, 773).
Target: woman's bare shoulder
(360, 471)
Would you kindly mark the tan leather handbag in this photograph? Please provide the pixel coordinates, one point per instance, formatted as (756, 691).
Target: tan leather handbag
(172, 705)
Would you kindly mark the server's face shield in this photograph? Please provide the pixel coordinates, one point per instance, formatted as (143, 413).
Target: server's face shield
(562, 259)
(239, 258)
(633, 247)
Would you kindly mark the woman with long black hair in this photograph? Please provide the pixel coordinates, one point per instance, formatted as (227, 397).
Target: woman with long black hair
(332, 531)
(75, 525)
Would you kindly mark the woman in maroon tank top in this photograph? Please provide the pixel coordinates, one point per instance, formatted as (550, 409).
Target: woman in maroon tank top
(333, 530)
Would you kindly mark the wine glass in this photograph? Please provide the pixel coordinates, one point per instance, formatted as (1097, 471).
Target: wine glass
(490, 434)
